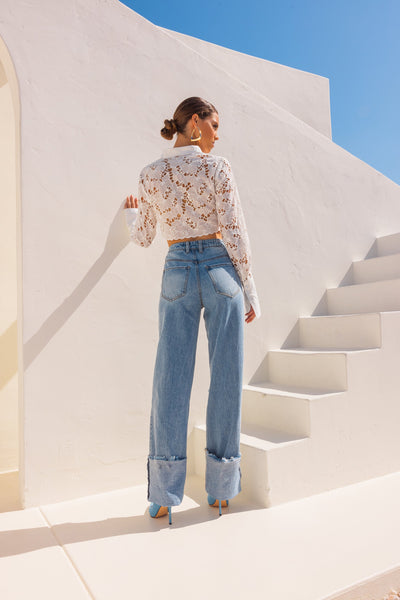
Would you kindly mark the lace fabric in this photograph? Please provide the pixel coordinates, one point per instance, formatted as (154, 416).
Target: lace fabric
(188, 193)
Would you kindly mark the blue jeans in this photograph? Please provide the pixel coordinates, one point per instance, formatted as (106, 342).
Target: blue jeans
(197, 274)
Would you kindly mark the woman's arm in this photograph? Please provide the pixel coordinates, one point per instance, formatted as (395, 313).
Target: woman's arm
(141, 218)
(234, 231)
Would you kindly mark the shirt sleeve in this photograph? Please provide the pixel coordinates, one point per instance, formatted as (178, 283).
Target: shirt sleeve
(142, 221)
(234, 232)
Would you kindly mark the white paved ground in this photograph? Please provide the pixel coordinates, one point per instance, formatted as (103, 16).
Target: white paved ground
(107, 547)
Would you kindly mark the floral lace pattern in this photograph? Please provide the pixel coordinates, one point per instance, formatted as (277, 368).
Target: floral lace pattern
(190, 194)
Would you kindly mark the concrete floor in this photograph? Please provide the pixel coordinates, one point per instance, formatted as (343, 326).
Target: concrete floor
(107, 547)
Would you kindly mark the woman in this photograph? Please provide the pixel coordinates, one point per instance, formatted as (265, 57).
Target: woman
(192, 195)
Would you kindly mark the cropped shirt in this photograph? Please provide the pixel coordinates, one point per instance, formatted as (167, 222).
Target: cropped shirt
(191, 194)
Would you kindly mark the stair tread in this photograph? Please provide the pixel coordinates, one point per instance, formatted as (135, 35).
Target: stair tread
(264, 438)
(344, 316)
(354, 314)
(311, 349)
(256, 434)
(383, 258)
(267, 387)
(379, 282)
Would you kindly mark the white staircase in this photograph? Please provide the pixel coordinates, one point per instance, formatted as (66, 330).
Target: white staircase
(328, 412)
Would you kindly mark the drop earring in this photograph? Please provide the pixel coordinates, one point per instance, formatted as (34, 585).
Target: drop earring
(197, 139)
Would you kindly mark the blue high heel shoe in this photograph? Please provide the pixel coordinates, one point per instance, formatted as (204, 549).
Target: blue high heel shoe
(156, 511)
(214, 502)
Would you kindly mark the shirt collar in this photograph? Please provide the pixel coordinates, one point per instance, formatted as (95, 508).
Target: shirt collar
(191, 149)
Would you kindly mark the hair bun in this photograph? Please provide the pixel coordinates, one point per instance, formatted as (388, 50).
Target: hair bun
(169, 129)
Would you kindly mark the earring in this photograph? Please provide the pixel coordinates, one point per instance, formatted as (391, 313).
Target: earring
(192, 139)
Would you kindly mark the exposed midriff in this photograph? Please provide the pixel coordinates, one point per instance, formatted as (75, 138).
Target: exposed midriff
(217, 234)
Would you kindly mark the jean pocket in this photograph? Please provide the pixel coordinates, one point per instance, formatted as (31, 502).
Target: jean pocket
(224, 278)
(174, 282)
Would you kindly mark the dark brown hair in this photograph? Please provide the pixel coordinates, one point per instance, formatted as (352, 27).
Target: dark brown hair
(186, 109)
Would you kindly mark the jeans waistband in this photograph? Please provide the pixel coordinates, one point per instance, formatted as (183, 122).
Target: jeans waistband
(196, 245)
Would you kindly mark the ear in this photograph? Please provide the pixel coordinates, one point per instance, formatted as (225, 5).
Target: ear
(195, 118)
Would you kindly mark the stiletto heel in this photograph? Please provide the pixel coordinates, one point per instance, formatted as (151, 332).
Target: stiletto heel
(214, 502)
(156, 511)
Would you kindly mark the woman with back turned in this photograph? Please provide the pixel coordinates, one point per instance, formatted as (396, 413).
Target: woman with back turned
(193, 197)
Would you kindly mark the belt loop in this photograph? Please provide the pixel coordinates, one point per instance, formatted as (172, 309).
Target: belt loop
(200, 245)
(187, 247)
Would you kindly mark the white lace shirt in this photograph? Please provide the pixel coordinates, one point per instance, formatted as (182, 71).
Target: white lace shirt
(189, 194)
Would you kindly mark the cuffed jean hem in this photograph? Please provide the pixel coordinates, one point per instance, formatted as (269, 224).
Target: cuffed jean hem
(223, 476)
(166, 479)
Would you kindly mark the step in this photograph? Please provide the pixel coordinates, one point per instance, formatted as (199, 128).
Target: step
(267, 387)
(388, 244)
(376, 269)
(288, 412)
(364, 297)
(255, 445)
(341, 331)
(324, 370)
(280, 408)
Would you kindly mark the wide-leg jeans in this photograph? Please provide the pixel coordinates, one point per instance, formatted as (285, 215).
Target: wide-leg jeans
(197, 274)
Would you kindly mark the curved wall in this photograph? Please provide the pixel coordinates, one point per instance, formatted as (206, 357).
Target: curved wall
(10, 288)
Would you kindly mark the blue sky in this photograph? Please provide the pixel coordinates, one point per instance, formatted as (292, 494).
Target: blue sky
(354, 43)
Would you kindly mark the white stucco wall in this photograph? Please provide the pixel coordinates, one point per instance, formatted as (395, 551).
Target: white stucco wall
(96, 81)
(305, 95)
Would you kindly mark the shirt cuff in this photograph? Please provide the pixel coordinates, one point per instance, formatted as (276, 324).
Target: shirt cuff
(251, 299)
(130, 216)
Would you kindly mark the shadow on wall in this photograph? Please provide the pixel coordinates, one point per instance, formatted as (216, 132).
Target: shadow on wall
(116, 241)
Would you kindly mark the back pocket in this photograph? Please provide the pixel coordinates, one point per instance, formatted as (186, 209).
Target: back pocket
(224, 278)
(174, 282)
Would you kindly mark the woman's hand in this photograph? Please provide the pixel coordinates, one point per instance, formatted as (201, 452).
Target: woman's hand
(131, 202)
(250, 315)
